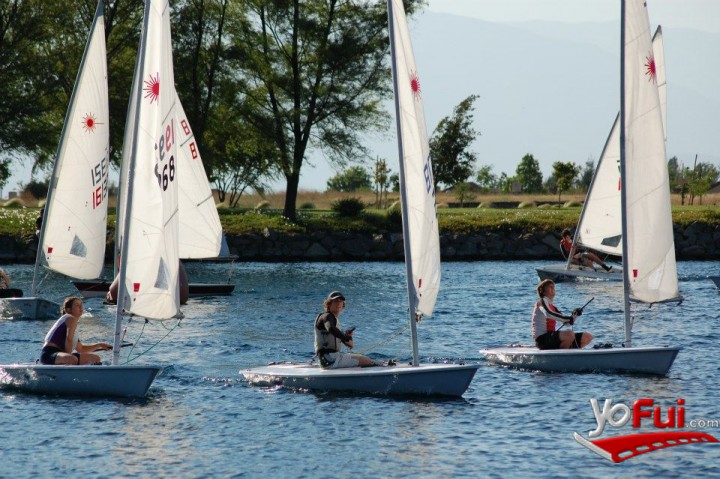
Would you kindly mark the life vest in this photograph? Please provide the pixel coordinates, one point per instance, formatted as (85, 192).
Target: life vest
(324, 339)
(566, 246)
(549, 322)
(58, 333)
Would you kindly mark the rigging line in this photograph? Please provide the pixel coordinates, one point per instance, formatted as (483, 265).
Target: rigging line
(373, 346)
(129, 360)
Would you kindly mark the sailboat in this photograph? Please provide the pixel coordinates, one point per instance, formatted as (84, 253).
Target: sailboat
(600, 227)
(149, 271)
(201, 235)
(648, 248)
(422, 255)
(72, 235)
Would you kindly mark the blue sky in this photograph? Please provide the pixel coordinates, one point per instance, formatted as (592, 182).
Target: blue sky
(697, 14)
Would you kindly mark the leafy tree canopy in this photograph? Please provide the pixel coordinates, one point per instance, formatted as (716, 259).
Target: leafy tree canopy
(529, 175)
(453, 161)
(355, 178)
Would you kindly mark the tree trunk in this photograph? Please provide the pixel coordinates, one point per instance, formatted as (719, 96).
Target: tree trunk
(291, 195)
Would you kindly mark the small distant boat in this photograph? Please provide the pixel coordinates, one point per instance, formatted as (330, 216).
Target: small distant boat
(599, 227)
(99, 288)
(422, 255)
(648, 247)
(72, 235)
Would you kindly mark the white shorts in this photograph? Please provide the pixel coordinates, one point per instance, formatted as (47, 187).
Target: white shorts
(342, 360)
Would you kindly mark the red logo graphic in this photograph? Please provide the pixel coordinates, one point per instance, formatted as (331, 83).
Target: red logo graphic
(415, 85)
(89, 122)
(650, 69)
(152, 88)
(622, 448)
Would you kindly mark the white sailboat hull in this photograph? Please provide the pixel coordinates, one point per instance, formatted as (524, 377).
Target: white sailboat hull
(423, 380)
(30, 308)
(633, 360)
(98, 381)
(560, 273)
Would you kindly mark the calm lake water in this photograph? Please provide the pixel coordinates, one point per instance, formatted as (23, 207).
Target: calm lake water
(202, 420)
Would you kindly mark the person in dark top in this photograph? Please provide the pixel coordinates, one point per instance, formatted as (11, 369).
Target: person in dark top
(329, 338)
(62, 344)
(586, 258)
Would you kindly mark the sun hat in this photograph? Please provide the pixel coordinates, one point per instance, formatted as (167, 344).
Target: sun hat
(335, 295)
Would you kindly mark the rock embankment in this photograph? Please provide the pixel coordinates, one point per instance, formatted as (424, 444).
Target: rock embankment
(698, 241)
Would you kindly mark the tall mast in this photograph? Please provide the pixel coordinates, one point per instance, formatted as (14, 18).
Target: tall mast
(403, 196)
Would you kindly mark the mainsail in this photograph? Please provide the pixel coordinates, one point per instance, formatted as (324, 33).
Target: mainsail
(149, 255)
(73, 233)
(650, 267)
(600, 225)
(420, 225)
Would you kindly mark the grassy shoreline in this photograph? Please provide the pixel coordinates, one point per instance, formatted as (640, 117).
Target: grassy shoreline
(21, 221)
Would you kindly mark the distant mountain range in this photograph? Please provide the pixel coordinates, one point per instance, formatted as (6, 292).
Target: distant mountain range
(551, 89)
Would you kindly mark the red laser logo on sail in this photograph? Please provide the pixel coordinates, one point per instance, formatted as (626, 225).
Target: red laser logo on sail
(415, 85)
(650, 69)
(89, 123)
(622, 448)
(152, 88)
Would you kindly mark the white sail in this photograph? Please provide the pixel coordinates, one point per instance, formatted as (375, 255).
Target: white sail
(416, 179)
(650, 264)
(200, 228)
(600, 225)
(149, 255)
(75, 222)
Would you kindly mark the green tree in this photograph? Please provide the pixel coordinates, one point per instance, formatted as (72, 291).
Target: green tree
(586, 175)
(487, 180)
(463, 192)
(355, 178)
(702, 178)
(505, 182)
(4, 173)
(382, 181)
(33, 61)
(529, 175)
(565, 174)
(313, 75)
(449, 145)
(675, 174)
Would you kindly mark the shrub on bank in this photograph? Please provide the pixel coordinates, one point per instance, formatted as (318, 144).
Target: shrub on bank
(348, 207)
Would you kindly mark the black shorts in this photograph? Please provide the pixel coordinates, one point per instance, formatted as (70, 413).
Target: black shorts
(551, 340)
(49, 353)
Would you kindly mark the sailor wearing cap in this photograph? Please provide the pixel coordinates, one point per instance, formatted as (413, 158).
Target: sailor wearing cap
(329, 338)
